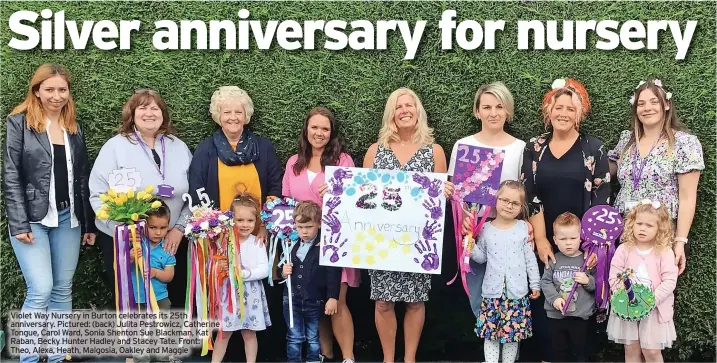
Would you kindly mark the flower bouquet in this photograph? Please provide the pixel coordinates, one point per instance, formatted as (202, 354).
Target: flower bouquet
(213, 242)
(129, 210)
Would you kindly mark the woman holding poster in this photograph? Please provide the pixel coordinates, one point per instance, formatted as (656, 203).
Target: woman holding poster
(304, 179)
(493, 107)
(46, 196)
(659, 160)
(564, 170)
(145, 152)
(405, 142)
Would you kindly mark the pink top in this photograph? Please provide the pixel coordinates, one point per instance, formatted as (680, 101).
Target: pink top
(661, 269)
(298, 187)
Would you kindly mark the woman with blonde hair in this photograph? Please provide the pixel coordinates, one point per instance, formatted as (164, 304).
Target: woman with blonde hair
(493, 107)
(405, 142)
(46, 196)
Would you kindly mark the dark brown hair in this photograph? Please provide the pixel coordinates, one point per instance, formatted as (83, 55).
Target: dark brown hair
(333, 149)
(161, 212)
(144, 97)
(307, 211)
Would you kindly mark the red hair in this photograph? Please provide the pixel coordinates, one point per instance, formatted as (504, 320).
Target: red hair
(32, 106)
(577, 93)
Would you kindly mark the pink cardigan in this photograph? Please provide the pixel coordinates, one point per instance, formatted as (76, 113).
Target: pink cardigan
(661, 269)
(297, 186)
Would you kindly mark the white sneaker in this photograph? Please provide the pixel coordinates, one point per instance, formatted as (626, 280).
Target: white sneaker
(348, 361)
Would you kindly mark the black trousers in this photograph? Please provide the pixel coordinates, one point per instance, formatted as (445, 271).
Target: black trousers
(176, 288)
(569, 339)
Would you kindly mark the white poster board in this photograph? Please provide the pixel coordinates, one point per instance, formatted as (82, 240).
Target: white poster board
(383, 220)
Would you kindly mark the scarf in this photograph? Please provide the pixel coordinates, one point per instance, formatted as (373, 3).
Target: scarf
(246, 151)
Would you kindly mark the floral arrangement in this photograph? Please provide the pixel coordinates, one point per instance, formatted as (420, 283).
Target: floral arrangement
(207, 222)
(280, 232)
(129, 207)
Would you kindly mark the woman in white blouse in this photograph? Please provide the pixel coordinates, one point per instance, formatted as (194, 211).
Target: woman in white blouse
(493, 106)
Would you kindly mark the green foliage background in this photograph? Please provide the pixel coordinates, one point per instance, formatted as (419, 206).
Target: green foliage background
(286, 84)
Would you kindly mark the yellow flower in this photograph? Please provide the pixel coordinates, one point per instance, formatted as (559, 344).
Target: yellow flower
(112, 193)
(120, 200)
(104, 197)
(147, 196)
(156, 204)
(130, 193)
(105, 207)
(102, 215)
(141, 195)
(135, 217)
(149, 189)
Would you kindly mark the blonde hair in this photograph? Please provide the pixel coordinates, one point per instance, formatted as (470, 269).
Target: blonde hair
(227, 93)
(32, 106)
(565, 220)
(665, 230)
(517, 186)
(502, 93)
(422, 134)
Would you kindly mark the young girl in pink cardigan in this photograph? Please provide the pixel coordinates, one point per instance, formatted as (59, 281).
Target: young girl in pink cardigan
(319, 146)
(646, 248)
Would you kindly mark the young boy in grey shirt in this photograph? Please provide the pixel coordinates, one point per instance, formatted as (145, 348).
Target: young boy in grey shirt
(570, 330)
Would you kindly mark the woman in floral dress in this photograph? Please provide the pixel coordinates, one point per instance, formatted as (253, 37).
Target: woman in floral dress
(658, 159)
(405, 142)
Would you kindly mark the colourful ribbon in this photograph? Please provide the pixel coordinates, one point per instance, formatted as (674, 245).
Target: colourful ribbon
(464, 245)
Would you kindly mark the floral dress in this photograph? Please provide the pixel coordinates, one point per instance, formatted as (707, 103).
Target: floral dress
(659, 176)
(401, 286)
(572, 182)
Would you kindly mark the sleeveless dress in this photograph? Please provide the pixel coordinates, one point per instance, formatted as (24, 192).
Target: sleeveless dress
(401, 286)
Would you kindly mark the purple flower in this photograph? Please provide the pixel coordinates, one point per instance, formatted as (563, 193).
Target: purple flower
(196, 229)
(229, 214)
(213, 222)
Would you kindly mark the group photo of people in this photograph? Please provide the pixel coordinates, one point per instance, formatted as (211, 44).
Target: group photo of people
(536, 291)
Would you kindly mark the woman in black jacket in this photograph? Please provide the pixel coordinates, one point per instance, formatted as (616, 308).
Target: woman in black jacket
(46, 194)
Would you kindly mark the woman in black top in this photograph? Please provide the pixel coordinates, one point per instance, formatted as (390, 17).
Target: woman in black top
(564, 170)
(46, 197)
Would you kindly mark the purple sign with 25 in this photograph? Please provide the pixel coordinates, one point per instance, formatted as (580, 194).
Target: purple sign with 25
(477, 173)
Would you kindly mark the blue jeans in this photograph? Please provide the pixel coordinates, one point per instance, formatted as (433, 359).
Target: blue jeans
(306, 329)
(475, 285)
(48, 265)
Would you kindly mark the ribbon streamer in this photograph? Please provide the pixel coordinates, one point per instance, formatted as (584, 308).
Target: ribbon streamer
(604, 253)
(464, 245)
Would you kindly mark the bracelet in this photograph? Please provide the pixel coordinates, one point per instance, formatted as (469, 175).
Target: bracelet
(681, 239)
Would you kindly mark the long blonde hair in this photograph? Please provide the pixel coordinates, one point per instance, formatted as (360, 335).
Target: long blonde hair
(32, 106)
(422, 134)
(665, 230)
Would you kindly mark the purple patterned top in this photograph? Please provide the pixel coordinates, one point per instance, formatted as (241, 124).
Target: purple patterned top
(659, 177)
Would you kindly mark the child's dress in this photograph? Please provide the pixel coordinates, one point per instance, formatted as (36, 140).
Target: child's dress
(656, 268)
(255, 267)
(511, 264)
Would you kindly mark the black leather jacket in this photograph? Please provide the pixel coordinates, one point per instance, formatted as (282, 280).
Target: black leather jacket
(26, 183)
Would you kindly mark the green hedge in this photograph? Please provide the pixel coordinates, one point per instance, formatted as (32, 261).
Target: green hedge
(286, 84)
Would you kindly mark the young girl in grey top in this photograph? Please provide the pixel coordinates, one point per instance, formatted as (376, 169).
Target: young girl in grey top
(511, 272)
